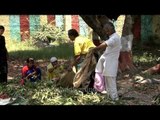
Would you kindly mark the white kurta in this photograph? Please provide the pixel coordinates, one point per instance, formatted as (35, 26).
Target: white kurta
(108, 62)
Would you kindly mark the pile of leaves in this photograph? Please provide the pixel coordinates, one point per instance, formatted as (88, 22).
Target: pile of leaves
(49, 33)
(47, 93)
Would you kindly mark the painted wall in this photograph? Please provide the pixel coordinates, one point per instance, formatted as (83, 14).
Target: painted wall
(147, 28)
(21, 27)
(156, 28)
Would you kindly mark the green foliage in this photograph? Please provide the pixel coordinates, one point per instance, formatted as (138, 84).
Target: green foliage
(145, 55)
(145, 58)
(46, 93)
(28, 48)
(49, 32)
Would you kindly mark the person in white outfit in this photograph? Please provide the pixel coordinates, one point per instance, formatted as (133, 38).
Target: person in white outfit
(108, 62)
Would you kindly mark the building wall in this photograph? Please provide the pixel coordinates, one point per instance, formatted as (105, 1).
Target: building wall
(21, 27)
(147, 29)
(156, 28)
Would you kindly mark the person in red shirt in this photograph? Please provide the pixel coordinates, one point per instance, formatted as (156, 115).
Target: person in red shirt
(30, 71)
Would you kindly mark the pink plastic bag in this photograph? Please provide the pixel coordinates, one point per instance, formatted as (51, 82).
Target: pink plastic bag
(99, 83)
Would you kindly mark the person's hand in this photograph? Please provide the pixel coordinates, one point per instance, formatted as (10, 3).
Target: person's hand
(93, 49)
(56, 66)
(72, 63)
(29, 75)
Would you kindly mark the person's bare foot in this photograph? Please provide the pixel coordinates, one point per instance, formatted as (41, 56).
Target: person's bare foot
(104, 92)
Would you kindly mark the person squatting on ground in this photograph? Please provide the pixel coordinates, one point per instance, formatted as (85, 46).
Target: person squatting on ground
(107, 64)
(53, 69)
(3, 57)
(30, 71)
(81, 47)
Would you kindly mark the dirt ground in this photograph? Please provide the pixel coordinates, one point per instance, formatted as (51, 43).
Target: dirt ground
(138, 93)
(132, 92)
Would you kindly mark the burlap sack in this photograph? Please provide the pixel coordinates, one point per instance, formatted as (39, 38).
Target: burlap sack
(82, 77)
(66, 79)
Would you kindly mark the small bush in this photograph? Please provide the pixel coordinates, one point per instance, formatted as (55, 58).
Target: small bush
(49, 33)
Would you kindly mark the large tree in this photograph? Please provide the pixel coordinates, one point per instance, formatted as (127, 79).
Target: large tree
(96, 22)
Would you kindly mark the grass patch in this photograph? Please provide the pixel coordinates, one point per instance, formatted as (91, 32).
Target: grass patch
(26, 49)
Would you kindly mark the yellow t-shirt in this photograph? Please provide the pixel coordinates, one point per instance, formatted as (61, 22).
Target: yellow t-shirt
(56, 73)
(82, 45)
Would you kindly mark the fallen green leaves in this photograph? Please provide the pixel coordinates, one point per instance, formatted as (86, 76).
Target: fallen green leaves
(47, 93)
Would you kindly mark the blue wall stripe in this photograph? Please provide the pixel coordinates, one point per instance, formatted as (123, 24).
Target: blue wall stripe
(14, 21)
(59, 20)
(146, 27)
(34, 21)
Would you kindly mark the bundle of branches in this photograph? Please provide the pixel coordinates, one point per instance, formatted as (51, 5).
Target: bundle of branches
(156, 100)
(49, 33)
(66, 77)
(82, 77)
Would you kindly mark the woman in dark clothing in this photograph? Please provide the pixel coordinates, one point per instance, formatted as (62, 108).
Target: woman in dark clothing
(3, 57)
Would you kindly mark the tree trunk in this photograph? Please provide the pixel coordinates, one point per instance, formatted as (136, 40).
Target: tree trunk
(95, 38)
(96, 22)
(125, 59)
